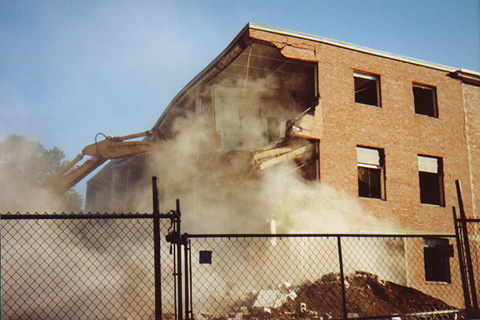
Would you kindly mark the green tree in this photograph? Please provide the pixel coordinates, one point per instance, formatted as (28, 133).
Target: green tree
(25, 166)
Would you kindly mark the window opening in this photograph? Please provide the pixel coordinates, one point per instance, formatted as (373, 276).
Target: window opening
(430, 171)
(367, 89)
(425, 99)
(371, 173)
(436, 254)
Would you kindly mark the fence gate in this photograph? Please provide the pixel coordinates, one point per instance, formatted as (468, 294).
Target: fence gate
(91, 266)
(311, 276)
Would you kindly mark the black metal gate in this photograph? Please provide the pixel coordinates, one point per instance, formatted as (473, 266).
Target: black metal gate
(308, 276)
(91, 266)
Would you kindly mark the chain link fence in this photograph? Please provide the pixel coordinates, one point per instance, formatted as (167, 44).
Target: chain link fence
(474, 238)
(93, 268)
(473, 276)
(320, 276)
(102, 267)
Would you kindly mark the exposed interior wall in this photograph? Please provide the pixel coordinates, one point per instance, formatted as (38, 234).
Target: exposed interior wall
(247, 105)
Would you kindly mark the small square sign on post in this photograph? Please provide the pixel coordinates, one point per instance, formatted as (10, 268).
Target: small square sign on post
(205, 257)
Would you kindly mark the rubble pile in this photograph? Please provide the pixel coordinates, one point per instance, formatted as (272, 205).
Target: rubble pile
(366, 296)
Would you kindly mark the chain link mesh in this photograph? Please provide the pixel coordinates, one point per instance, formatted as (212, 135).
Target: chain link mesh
(473, 230)
(102, 268)
(82, 269)
(287, 277)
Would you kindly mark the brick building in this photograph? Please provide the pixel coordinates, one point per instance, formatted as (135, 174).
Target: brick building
(390, 131)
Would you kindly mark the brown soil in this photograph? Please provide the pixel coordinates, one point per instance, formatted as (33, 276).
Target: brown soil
(366, 295)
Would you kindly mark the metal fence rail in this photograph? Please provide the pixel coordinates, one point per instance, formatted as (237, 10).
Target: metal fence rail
(83, 267)
(316, 276)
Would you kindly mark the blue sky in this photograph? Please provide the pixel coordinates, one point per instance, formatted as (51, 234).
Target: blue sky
(71, 69)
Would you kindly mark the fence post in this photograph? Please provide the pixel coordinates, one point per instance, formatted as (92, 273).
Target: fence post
(179, 262)
(187, 269)
(1, 271)
(342, 278)
(461, 261)
(156, 250)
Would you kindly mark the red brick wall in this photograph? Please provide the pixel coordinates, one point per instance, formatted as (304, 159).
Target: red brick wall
(342, 125)
(397, 129)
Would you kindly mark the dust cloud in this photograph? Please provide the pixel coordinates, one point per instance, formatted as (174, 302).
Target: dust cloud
(25, 166)
(227, 198)
(17, 196)
(205, 164)
(219, 193)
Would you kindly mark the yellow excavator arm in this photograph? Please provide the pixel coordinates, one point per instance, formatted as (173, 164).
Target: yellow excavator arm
(110, 148)
(119, 147)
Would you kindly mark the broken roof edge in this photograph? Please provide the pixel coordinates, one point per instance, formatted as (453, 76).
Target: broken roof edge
(202, 73)
(467, 76)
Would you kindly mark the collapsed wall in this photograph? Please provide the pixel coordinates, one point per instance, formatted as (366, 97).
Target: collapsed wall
(207, 143)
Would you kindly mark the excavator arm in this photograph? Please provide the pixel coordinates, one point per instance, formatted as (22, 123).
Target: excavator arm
(99, 152)
(119, 147)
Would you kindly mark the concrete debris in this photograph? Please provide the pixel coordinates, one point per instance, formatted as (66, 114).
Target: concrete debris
(203, 316)
(244, 310)
(322, 300)
(273, 298)
(305, 312)
(292, 295)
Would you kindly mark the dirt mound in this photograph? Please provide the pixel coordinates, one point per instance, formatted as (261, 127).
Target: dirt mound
(366, 295)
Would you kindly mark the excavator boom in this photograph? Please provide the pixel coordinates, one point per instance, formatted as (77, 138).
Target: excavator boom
(110, 148)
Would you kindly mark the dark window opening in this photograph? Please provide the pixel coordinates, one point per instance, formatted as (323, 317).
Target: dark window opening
(425, 100)
(431, 180)
(369, 182)
(367, 89)
(436, 257)
(371, 173)
(430, 188)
